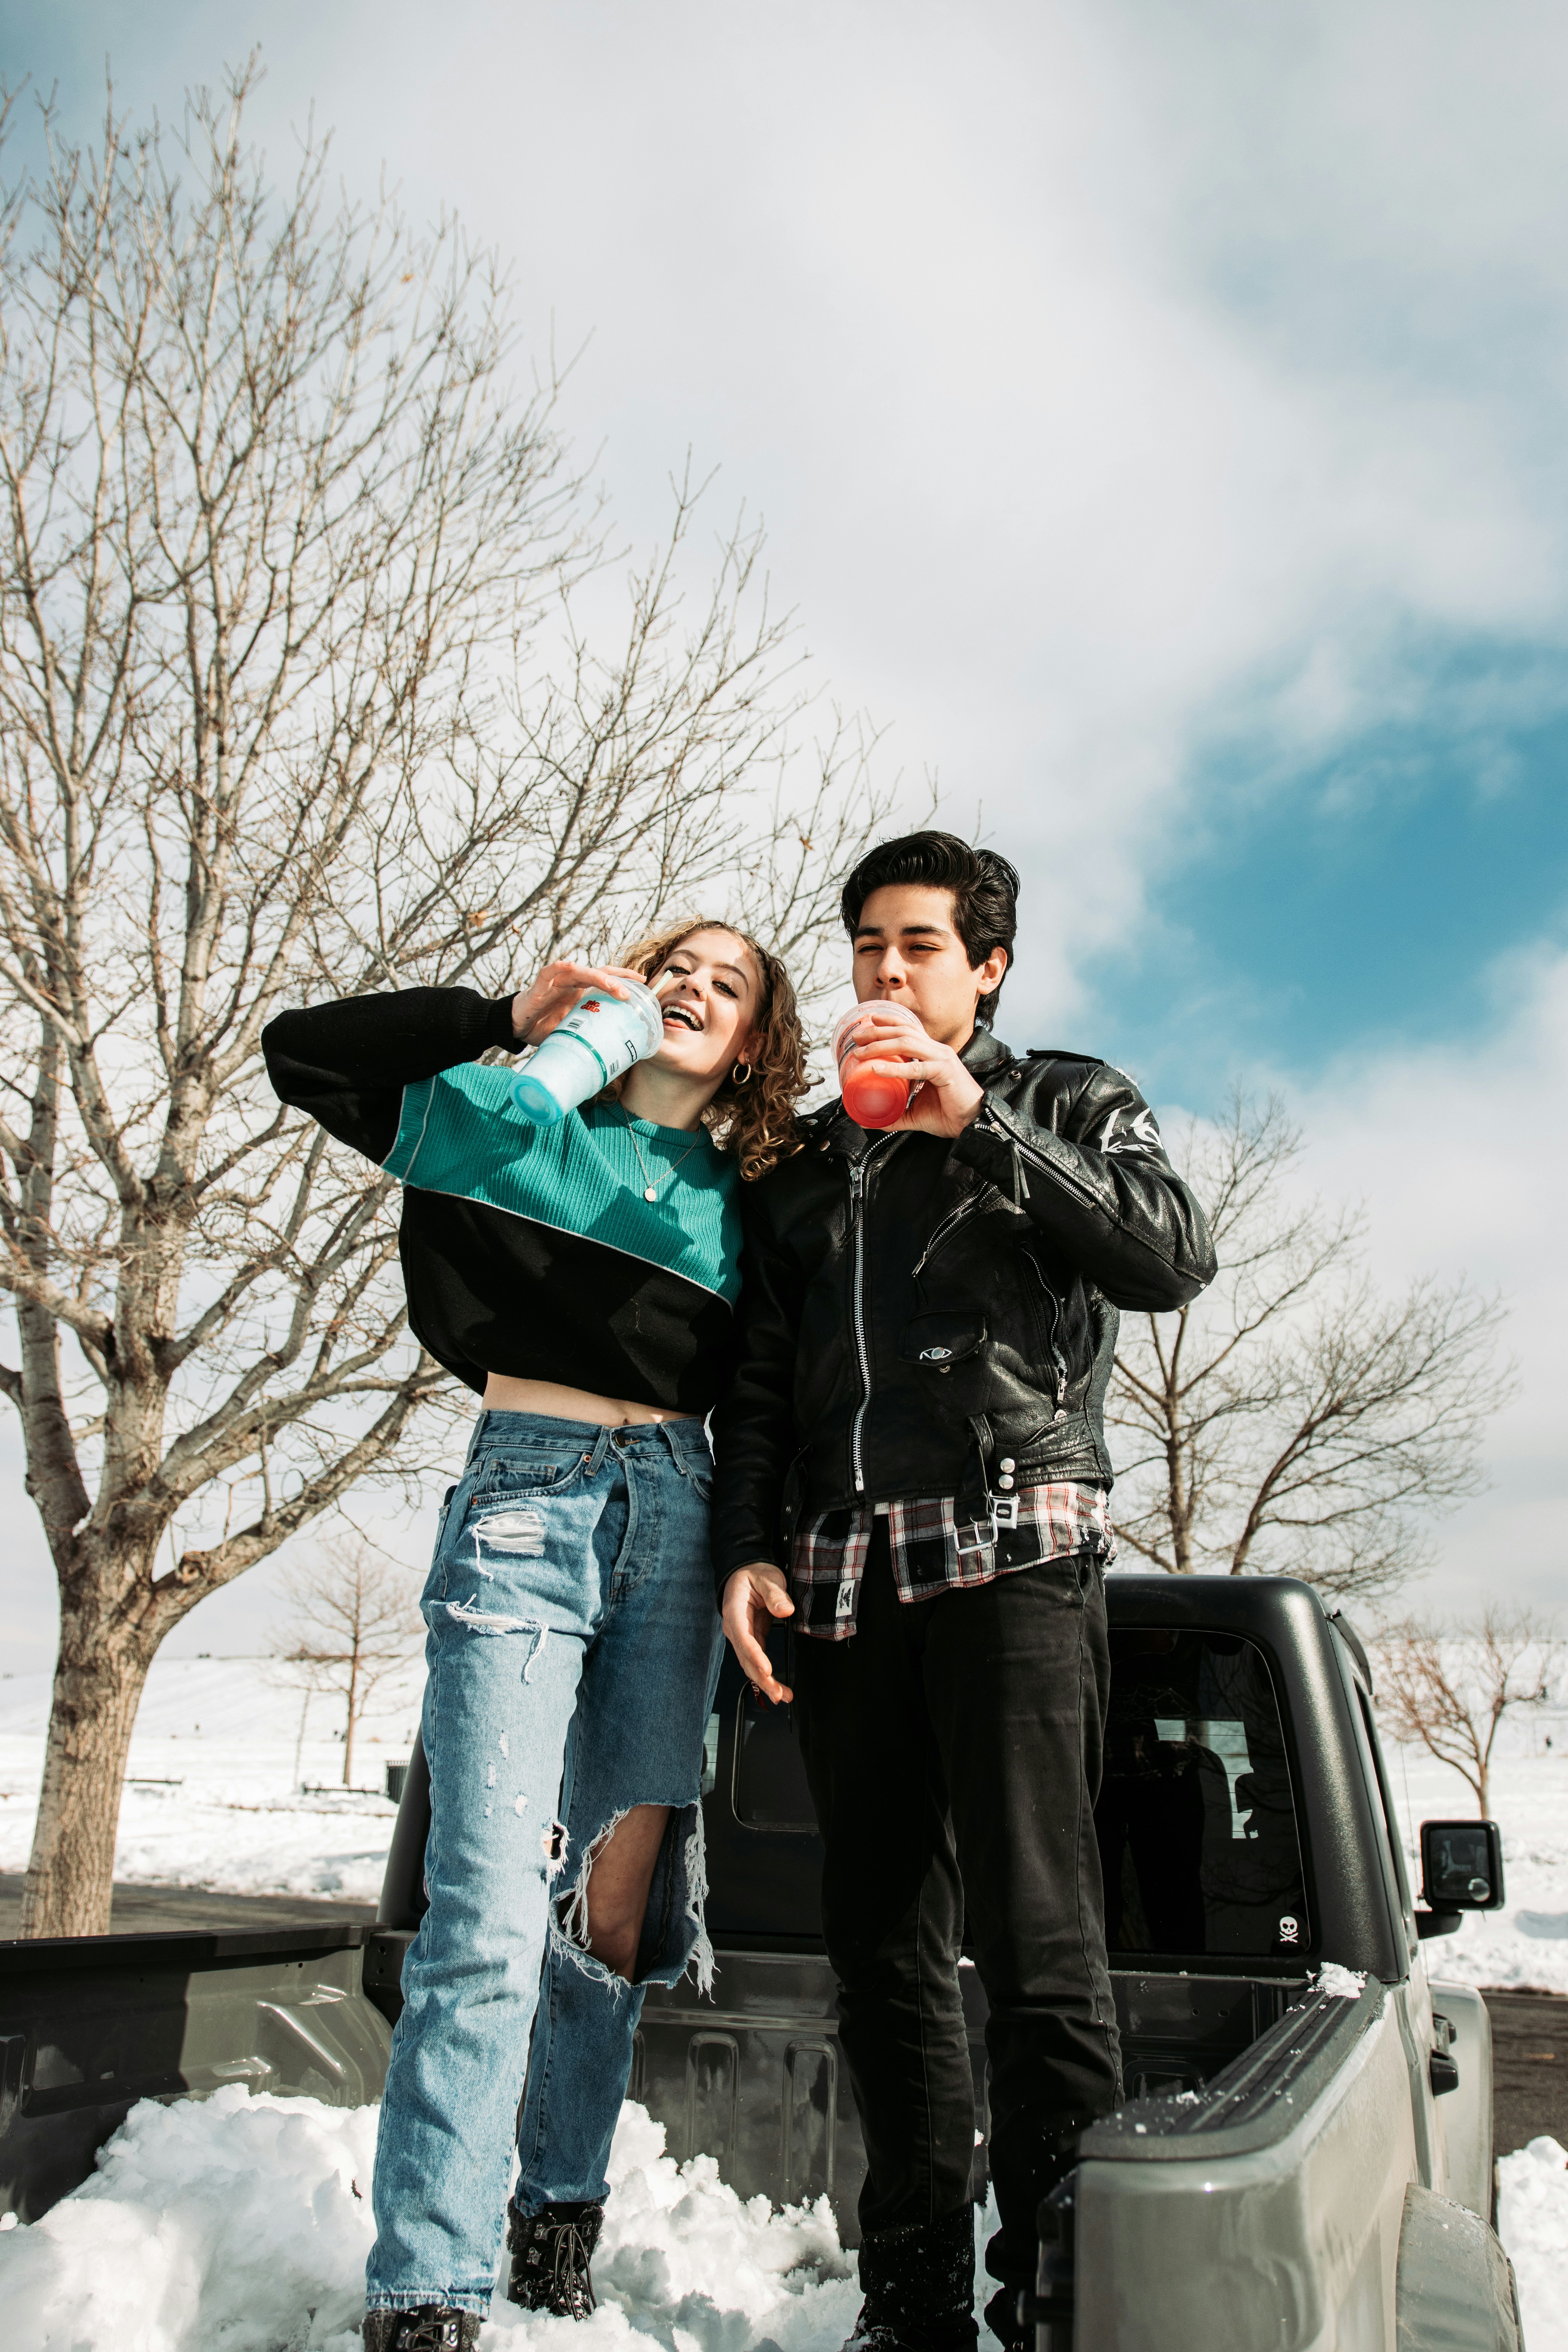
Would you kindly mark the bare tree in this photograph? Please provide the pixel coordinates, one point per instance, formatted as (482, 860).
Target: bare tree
(1449, 1686)
(1294, 1419)
(293, 702)
(354, 1617)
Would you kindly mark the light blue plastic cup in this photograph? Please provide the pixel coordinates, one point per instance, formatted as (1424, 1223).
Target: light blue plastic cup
(600, 1038)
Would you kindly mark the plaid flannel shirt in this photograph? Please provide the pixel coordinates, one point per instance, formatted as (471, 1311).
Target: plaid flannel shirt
(932, 1553)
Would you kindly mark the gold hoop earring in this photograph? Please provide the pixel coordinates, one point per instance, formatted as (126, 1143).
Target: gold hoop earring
(735, 1078)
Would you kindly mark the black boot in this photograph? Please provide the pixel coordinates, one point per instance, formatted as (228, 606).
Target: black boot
(919, 2284)
(433, 2328)
(1002, 2319)
(551, 2251)
(1016, 2261)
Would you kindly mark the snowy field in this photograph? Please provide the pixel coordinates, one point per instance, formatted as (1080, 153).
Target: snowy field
(1526, 1943)
(223, 1745)
(222, 1748)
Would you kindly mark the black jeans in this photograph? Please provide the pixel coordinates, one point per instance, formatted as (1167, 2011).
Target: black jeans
(953, 1751)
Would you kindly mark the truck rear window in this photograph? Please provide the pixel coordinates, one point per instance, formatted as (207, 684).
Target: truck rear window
(1195, 1820)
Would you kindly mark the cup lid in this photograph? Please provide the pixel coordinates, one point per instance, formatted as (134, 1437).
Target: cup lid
(642, 1002)
(872, 1004)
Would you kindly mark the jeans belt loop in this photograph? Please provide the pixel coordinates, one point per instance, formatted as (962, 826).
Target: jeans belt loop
(601, 1447)
(666, 1431)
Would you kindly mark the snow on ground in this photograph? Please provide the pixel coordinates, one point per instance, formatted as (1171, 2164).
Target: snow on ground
(1532, 2221)
(241, 2224)
(213, 1797)
(218, 1761)
(1526, 1943)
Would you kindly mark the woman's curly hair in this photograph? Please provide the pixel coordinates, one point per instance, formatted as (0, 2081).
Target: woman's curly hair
(754, 1119)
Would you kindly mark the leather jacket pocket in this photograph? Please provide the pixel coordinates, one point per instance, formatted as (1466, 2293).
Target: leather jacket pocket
(792, 1497)
(944, 1337)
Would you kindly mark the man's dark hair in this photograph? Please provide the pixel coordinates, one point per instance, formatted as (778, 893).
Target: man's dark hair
(985, 893)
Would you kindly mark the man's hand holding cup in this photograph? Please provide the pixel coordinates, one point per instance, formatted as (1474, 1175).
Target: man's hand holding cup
(883, 1050)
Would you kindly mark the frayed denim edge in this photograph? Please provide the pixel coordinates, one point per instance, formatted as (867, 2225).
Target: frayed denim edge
(413, 2298)
(569, 1915)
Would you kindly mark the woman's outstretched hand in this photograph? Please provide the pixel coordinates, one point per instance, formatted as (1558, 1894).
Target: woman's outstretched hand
(537, 1010)
(753, 1597)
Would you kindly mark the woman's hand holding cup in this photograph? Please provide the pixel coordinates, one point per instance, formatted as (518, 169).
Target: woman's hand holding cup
(539, 1009)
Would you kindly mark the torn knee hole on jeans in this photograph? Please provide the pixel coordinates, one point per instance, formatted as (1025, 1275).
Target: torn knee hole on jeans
(572, 1911)
(677, 1893)
(570, 1930)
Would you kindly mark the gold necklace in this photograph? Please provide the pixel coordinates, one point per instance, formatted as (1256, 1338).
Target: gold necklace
(650, 1189)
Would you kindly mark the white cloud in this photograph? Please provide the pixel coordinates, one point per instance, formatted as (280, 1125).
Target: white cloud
(1106, 374)
(1109, 376)
(1458, 1152)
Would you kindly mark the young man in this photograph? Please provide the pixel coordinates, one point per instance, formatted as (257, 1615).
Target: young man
(912, 1465)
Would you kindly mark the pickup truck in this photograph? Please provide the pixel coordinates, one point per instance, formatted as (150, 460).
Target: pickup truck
(1303, 2160)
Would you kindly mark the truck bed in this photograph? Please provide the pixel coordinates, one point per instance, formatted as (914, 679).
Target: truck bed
(753, 2077)
(90, 2024)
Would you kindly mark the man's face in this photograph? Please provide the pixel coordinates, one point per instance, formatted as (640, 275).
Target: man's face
(907, 952)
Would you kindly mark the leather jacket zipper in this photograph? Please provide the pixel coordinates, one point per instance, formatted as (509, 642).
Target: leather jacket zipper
(858, 1171)
(1060, 1174)
(955, 1217)
(1057, 1359)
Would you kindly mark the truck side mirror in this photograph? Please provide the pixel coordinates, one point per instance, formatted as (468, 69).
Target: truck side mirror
(1461, 1866)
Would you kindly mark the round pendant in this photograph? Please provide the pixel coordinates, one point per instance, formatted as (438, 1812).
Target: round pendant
(650, 1193)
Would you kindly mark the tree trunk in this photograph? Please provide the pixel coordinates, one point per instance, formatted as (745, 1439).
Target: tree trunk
(349, 1727)
(70, 1873)
(1179, 1508)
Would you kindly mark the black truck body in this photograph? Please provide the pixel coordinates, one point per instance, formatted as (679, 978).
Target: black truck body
(1295, 2166)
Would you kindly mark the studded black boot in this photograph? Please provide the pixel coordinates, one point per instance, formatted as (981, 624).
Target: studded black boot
(919, 2288)
(551, 2251)
(432, 2327)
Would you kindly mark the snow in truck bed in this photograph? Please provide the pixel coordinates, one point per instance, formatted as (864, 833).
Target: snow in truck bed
(241, 2224)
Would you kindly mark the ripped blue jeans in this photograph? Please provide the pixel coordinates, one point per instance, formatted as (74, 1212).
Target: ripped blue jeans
(573, 1651)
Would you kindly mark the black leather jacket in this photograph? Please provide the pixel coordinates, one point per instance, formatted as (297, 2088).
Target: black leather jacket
(912, 1309)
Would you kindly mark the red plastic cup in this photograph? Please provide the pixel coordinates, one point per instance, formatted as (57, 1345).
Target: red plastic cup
(873, 1099)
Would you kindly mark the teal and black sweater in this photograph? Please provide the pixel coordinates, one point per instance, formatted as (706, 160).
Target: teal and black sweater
(526, 1250)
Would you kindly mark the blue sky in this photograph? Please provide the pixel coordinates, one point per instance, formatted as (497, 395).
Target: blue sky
(1363, 902)
(1157, 418)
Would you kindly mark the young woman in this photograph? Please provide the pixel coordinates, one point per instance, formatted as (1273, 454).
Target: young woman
(581, 1279)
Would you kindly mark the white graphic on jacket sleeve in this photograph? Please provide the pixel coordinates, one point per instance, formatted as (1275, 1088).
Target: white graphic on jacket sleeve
(1138, 1134)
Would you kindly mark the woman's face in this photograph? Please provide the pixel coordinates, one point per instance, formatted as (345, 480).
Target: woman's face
(711, 993)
